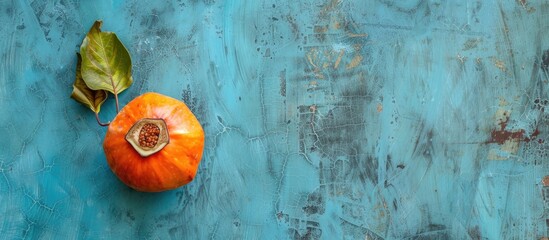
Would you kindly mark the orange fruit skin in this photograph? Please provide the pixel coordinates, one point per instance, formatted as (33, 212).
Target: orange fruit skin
(173, 166)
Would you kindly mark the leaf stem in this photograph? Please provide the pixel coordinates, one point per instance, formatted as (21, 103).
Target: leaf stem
(115, 93)
(116, 98)
(99, 122)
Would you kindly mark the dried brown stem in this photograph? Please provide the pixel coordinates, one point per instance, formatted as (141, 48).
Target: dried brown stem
(99, 121)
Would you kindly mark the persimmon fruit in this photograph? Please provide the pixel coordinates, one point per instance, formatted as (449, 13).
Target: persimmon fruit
(155, 143)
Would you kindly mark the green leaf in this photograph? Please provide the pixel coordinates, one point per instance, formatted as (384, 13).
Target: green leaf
(106, 64)
(83, 94)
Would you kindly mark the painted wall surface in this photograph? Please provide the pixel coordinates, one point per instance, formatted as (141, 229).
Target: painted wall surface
(328, 119)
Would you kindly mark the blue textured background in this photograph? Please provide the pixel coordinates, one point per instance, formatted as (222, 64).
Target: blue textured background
(330, 119)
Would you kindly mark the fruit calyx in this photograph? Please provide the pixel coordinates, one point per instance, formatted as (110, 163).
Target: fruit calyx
(148, 136)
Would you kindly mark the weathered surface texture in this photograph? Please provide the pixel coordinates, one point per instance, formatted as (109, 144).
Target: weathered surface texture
(329, 119)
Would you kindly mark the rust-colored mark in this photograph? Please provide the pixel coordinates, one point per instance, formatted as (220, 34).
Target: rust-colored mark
(336, 25)
(502, 135)
(355, 62)
(338, 60)
(311, 56)
(331, 6)
(500, 64)
(545, 181)
(533, 136)
(319, 60)
(353, 35)
(502, 116)
(313, 108)
(379, 107)
(509, 141)
(321, 29)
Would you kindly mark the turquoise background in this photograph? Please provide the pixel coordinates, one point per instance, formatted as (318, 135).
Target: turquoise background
(328, 119)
